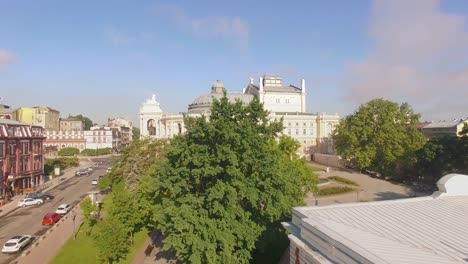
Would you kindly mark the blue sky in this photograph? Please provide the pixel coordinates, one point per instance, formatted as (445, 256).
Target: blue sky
(103, 58)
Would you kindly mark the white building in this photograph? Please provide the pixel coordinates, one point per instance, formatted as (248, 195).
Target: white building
(420, 230)
(313, 131)
(102, 137)
(125, 128)
(444, 128)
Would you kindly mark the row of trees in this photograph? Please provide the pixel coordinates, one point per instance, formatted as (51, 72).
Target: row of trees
(218, 193)
(381, 136)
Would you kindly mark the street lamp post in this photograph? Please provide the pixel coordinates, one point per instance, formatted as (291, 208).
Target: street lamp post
(73, 217)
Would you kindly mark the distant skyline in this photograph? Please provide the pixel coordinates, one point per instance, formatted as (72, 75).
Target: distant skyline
(104, 58)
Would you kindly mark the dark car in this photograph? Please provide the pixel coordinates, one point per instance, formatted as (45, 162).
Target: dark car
(81, 172)
(50, 219)
(39, 195)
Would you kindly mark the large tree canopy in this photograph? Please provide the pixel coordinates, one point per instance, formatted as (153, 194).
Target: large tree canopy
(381, 136)
(224, 182)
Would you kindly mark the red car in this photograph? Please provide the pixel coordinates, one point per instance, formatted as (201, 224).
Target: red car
(50, 219)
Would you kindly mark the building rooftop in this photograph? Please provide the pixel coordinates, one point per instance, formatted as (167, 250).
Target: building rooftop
(442, 124)
(71, 119)
(12, 122)
(429, 229)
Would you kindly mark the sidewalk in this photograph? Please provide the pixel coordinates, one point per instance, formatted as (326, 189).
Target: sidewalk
(68, 173)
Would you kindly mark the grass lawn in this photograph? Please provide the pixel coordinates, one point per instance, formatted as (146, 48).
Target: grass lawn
(82, 250)
(343, 180)
(335, 190)
(316, 168)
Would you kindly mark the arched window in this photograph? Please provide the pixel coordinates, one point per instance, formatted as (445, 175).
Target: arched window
(151, 127)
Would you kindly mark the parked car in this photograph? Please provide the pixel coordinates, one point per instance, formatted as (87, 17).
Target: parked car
(108, 170)
(81, 172)
(95, 182)
(39, 195)
(50, 219)
(63, 209)
(16, 244)
(29, 201)
(89, 169)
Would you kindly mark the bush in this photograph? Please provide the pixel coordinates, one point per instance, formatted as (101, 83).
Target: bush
(334, 190)
(94, 152)
(68, 152)
(342, 180)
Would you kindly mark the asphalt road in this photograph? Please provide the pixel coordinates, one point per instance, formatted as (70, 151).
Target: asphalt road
(27, 221)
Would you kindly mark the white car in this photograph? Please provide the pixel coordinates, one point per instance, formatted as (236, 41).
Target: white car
(29, 201)
(16, 244)
(95, 182)
(89, 169)
(108, 170)
(63, 209)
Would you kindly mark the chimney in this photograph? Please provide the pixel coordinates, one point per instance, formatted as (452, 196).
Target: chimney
(261, 84)
(303, 86)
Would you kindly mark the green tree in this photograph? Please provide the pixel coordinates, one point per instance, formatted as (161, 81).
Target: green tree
(443, 155)
(225, 184)
(124, 210)
(136, 133)
(464, 131)
(381, 136)
(88, 123)
(110, 238)
(288, 145)
(88, 207)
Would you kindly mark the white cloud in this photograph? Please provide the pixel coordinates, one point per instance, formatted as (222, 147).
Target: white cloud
(218, 26)
(6, 57)
(118, 38)
(418, 56)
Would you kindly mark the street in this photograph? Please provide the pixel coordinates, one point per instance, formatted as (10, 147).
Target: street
(27, 221)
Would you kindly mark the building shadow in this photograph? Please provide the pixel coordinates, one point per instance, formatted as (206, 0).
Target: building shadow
(381, 196)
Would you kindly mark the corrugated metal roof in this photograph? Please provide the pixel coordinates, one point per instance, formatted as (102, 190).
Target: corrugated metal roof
(12, 122)
(419, 230)
(443, 124)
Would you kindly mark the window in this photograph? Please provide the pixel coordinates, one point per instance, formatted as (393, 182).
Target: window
(277, 101)
(289, 124)
(287, 101)
(2, 150)
(297, 124)
(305, 124)
(297, 131)
(12, 149)
(304, 131)
(25, 148)
(289, 131)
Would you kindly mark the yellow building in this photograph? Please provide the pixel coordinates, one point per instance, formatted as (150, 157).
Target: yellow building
(43, 116)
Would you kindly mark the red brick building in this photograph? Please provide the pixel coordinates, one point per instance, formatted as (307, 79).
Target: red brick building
(21, 156)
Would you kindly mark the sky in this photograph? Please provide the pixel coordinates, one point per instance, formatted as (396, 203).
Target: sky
(104, 58)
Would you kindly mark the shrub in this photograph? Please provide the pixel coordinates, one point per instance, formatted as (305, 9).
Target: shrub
(104, 183)
(334, 190)
(68, 152)
(342, 180)
(94, 152)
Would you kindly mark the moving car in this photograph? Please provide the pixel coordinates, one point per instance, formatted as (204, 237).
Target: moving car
(89, 169)
(16, 244)
(63, 209)
(50, 219)
(29, 201)
(95, 182)
(81, 172)
(108, 170)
